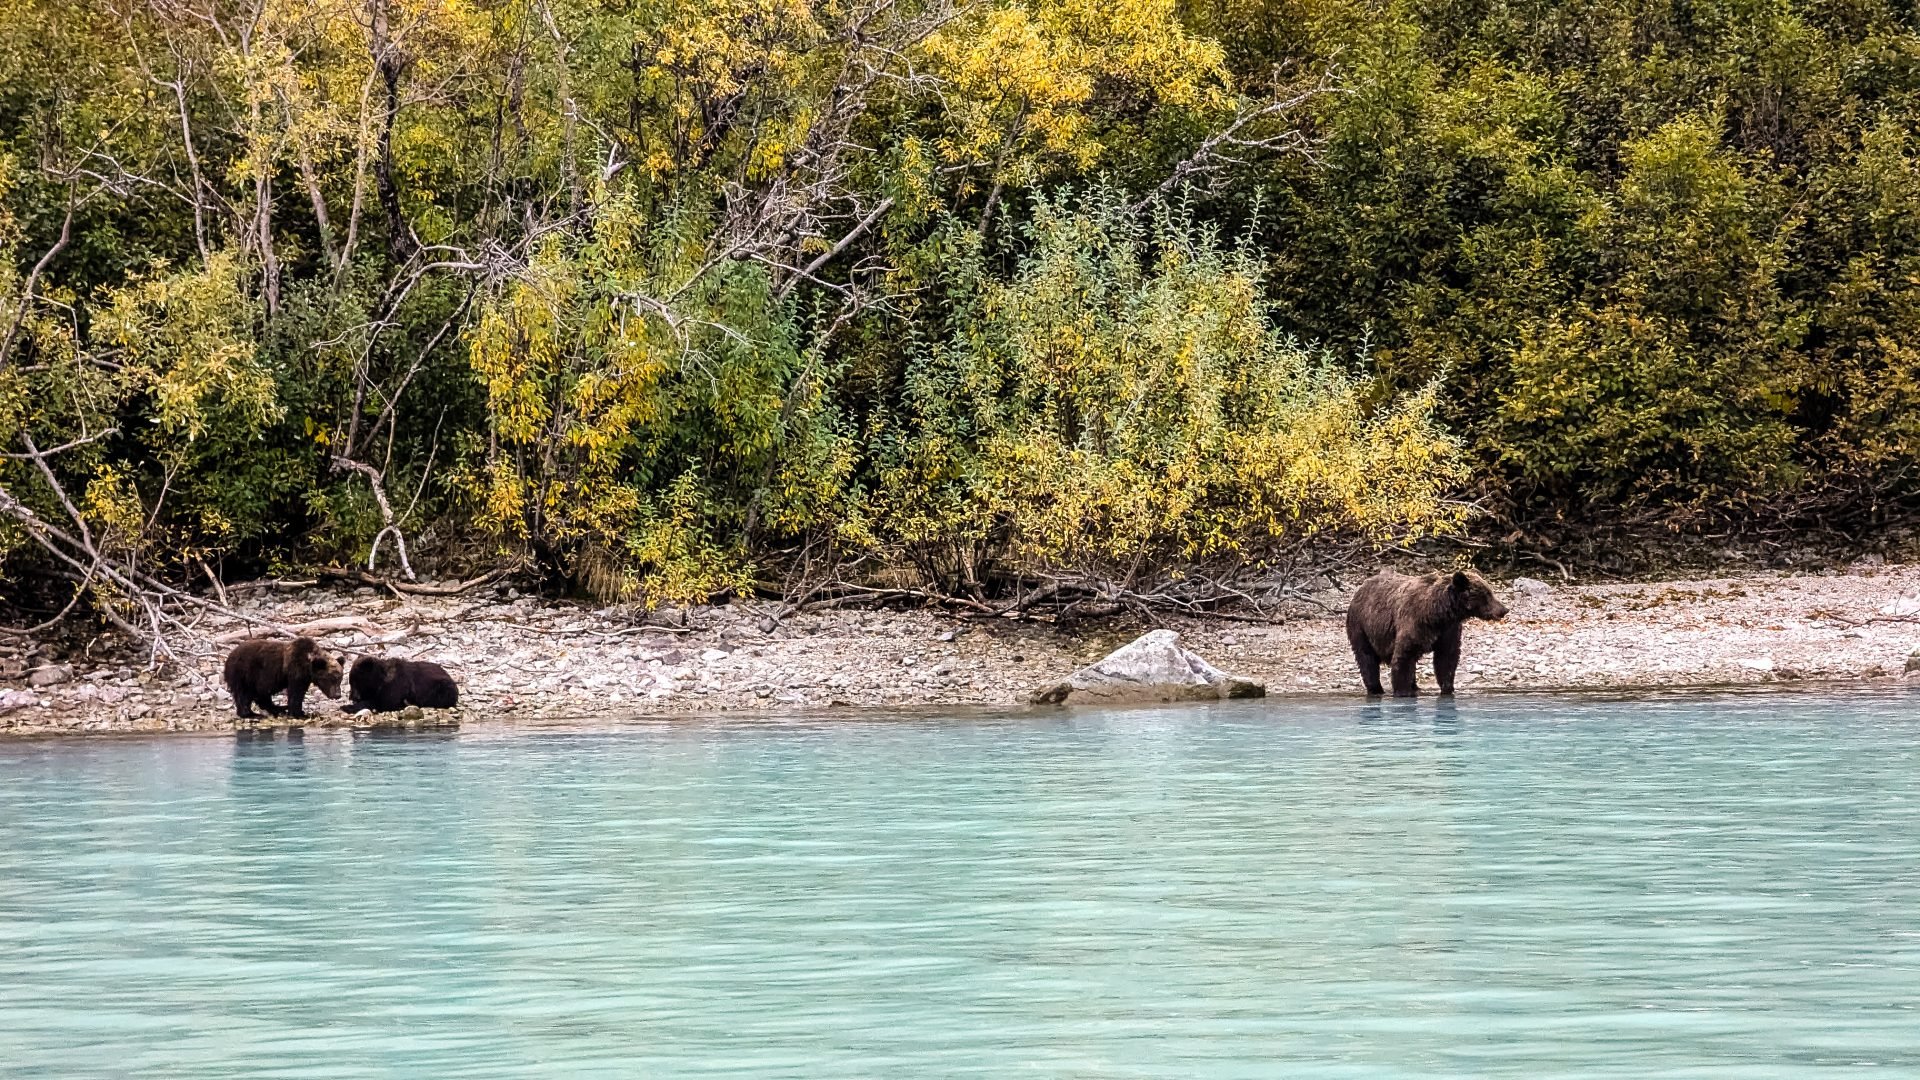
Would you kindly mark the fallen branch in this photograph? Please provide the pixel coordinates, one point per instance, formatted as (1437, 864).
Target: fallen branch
(604, 635)
(79, 590)
(272, 584)
(1850, 624)
(847, 591)
(330, 625)
(361, 577)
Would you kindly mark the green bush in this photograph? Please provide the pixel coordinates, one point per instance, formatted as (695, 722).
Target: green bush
(1121, 404)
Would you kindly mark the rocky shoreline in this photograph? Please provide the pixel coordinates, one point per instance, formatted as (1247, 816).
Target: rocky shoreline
(520, 659)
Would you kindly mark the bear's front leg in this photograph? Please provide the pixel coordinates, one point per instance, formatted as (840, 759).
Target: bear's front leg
(1446, 659)
(296, 698)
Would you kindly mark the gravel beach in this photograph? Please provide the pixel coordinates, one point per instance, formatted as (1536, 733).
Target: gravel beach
(521, 660)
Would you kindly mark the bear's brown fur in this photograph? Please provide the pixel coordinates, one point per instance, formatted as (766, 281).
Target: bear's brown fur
(389, 684)
(1398, 618)
(258, 668)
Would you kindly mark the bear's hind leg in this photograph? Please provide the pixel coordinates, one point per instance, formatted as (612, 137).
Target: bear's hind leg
(1369, 664)
(1404, 664)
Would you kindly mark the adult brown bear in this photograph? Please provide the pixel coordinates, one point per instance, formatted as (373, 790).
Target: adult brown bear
(259, 668)
(389, 684)
(1398, 618)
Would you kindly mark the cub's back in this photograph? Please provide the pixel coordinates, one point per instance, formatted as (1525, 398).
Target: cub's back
(255, 660)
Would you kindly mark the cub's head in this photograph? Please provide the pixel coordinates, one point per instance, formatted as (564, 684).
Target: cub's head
(1473, 597)
(327, 672)
(324, 671)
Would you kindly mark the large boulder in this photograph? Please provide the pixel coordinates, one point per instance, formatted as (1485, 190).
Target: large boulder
(50, 675)
(1153, 668)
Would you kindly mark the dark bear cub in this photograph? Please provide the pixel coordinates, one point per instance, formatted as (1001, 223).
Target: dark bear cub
(259, 668)
(1398, 618)
(389, 684)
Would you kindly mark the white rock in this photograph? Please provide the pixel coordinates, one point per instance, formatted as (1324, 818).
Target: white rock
(15, 699)
(1901, 606)
(713, 654)
(1758, 663)
(1152, 668)
(1527, 586)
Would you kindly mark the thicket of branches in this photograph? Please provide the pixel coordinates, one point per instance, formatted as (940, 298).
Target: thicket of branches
(1006, 302)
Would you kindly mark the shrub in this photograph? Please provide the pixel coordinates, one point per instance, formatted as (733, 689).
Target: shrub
(1122, 404)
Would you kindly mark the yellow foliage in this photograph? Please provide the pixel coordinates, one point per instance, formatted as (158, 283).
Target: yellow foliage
(1025, 75)
(516, 343)
(600, 397)
(502, 499)
(684, 563)
(113, 508)
(190, 336)
(1126, 406)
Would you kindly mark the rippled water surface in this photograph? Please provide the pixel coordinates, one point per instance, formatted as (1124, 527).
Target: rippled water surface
(1514, 887)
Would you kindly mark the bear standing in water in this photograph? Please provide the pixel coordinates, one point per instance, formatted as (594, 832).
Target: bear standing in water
(259, 668)
(1398, 618)
(389, 684)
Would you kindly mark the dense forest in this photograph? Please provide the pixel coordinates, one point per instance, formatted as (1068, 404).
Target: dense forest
(666, 299)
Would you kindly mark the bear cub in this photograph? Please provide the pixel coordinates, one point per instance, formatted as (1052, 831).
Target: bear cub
(1398, 618)
(389, 684)
(259, 668)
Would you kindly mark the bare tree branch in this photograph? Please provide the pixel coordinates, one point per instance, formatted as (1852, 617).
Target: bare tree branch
(827, 256)
(33, 282)
(1224, 148)
(36, 455)
(378, 483)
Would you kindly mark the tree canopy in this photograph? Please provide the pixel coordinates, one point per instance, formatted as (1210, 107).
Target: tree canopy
(662, 295)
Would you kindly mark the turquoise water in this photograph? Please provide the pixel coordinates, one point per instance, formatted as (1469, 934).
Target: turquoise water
(1693, 886)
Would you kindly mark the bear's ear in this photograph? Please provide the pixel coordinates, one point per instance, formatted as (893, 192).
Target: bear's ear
(1460, 582)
